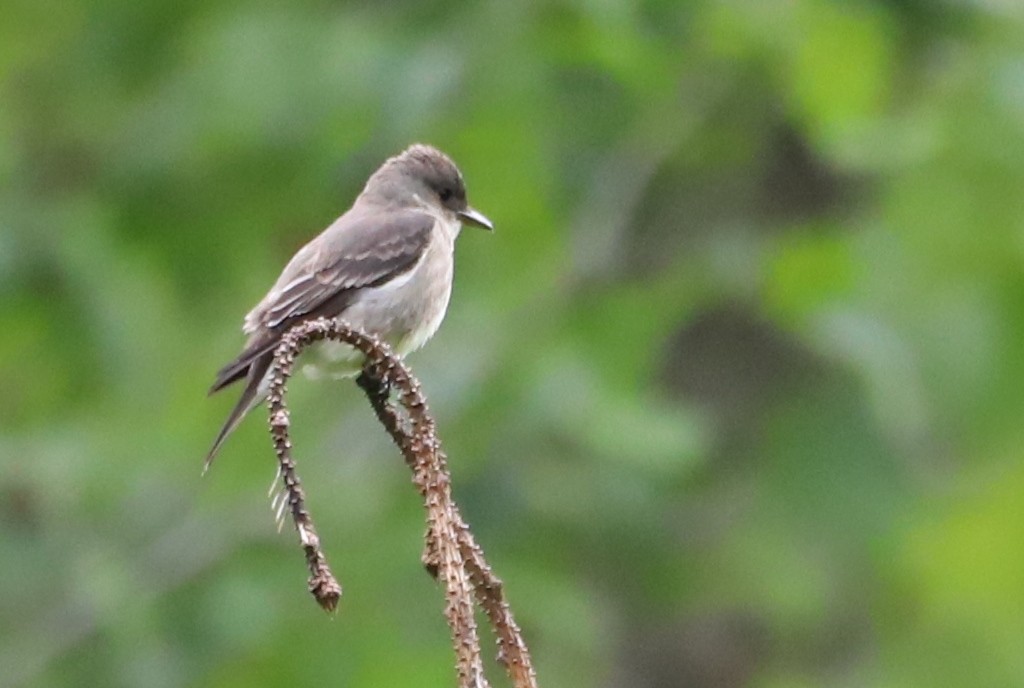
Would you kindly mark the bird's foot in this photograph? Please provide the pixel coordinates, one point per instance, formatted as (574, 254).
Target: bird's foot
(374, 386)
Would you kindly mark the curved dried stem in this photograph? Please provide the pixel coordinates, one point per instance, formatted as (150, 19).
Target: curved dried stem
(322, 583)
(450, 552)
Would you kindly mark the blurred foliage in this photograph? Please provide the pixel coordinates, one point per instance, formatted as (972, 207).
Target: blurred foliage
(733, 395)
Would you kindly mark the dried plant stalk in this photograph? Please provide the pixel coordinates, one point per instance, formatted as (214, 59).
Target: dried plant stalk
(450, 553)
(322, 583)
(513, 653)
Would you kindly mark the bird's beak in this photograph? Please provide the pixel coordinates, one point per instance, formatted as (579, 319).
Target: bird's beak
(475, 217)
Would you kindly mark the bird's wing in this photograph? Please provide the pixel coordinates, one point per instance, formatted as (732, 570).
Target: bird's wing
(354, 253)
(359, 250)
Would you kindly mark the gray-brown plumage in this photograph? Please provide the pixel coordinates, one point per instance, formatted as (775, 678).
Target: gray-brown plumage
(385, 267)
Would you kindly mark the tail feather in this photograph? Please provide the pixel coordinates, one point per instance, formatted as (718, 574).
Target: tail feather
(239, 367)
(251, 396)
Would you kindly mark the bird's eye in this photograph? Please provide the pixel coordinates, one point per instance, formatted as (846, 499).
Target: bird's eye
(446, 195)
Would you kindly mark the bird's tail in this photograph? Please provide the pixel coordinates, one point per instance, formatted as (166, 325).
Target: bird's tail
(251, 396)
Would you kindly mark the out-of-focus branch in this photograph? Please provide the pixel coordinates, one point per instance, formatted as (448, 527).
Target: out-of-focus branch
(450, 553)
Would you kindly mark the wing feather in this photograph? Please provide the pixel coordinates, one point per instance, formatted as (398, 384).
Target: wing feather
(356, 252)
(363, 253)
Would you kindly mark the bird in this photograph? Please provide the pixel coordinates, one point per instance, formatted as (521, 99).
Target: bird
(385, 267)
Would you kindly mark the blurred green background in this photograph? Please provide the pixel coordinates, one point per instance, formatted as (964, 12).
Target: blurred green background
(732, 396)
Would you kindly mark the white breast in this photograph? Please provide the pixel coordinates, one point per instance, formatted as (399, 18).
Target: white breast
(405, 312)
